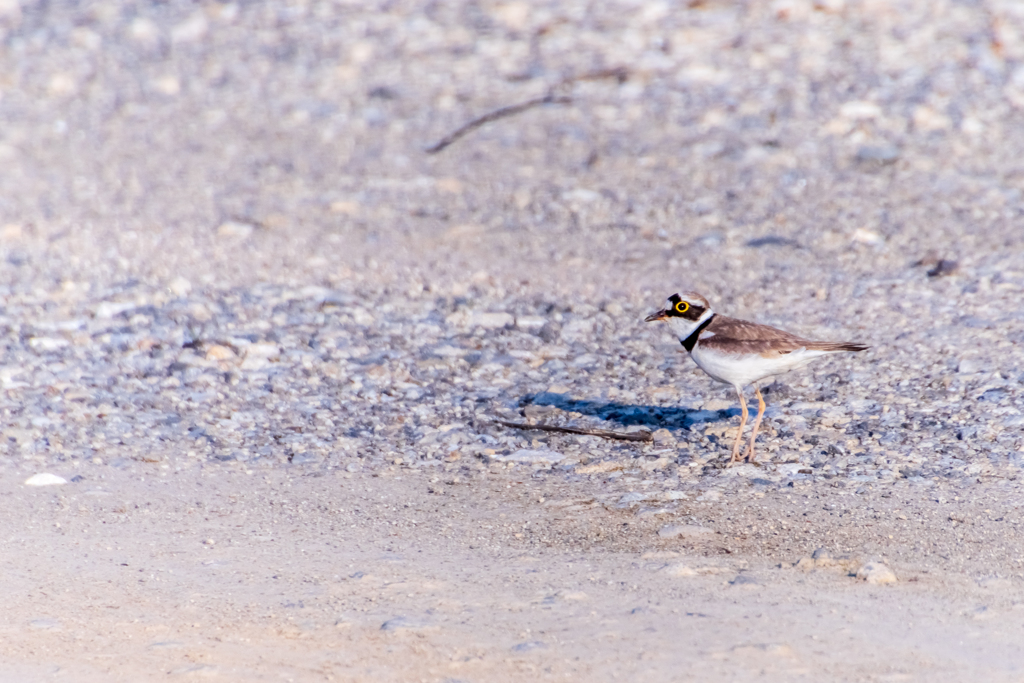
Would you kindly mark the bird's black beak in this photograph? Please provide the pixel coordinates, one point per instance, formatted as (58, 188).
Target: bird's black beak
(660, 315)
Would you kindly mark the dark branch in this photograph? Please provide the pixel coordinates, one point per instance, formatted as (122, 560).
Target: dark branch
(620, 74)
(603, 433)
(504, 112)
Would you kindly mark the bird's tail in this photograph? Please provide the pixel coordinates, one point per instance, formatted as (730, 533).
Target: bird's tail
(830, 347)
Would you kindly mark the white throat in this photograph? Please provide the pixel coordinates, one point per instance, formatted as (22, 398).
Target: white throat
(683, 328)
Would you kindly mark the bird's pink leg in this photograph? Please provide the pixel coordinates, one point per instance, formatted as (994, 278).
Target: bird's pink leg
(739, 434)
(757, 423)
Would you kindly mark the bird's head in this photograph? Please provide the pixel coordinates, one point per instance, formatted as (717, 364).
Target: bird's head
(684, 313)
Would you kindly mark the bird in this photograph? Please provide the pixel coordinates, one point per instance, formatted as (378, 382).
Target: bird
(739, 353)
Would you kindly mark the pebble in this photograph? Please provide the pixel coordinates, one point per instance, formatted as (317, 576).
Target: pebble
(970, 366)
(599, 467)
(166, 645)
(235, 230)
(653, 512)
(759, 651)
(530, 456)
(218, 352)
(880, 154)
(744, 580)
(111, 309)
(180, 287)
(865, 236)
(822, 557)
(45, 479)
(492, 320)
(44, 624)
(634, 497)
(573, 596)
(194, 670)
(46, 344)
(876, 572)
(404, 624)
(663, 437)
(687, 531)
(746, 471)
(680, 570)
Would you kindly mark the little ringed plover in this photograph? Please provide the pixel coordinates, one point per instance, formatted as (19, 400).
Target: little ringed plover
(738, 353)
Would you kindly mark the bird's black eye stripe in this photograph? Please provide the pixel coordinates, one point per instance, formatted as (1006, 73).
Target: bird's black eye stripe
(683, 309)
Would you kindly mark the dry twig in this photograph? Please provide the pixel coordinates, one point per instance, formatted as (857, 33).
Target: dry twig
(603, 433)
(620, 74)
(510, 110)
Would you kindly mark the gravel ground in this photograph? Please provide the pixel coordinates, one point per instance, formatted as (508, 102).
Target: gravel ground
(227, 257)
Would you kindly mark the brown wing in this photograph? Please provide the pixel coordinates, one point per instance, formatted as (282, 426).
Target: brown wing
(763, 347)
(739, 336)
(741, 330)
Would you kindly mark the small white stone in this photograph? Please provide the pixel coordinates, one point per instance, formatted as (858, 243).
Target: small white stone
(972, 126)
(235, 229)
(632, 497)
(405, 624)
(492, 320)
(219, 352)
(167, 85)
(599, 467)
(927, 119)
(190, 30)
(144, 31)
(859, 110)
(680, 569)
(47, 343)
(530, 322)
(691, 531)
(112, 309)
(865, 236)
(581, 196)
(652, 511)
(614, 308)
(572, 595)
(62, 85)
(180, 286)
(876, 572)
(745, 470)
(969, 366)
(263, 350)
(530, 456)
(45, 479)
(663, 437)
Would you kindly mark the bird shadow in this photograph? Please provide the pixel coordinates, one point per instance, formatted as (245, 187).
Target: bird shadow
(629, 414)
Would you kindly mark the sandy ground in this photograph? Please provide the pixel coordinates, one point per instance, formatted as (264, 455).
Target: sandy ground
(804, 164)
(220, 574)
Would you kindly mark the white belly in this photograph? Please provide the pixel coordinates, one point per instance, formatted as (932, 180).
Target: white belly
(741, 370)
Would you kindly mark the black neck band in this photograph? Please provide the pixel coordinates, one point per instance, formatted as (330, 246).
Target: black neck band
(691, 341)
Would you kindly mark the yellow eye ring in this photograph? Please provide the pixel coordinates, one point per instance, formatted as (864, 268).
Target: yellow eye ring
(682, 307)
